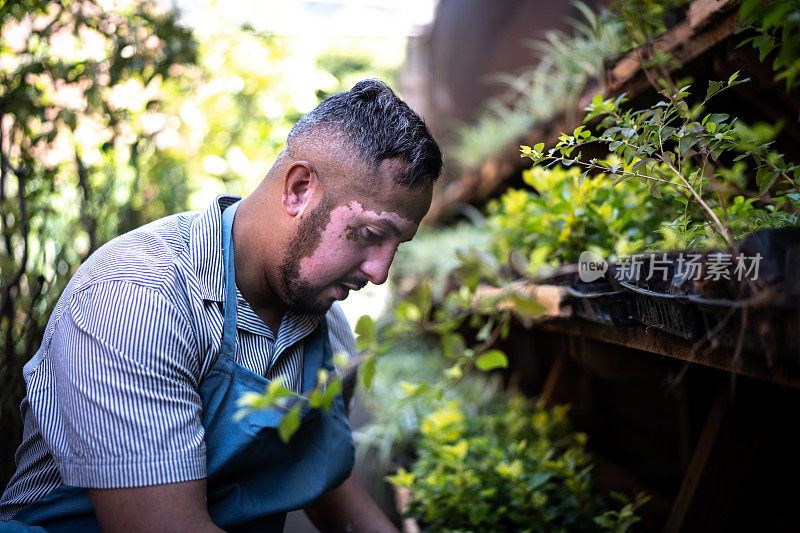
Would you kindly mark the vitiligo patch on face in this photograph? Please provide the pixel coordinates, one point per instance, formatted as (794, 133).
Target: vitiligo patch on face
(326, 253)
(324, 250)
(351, 233)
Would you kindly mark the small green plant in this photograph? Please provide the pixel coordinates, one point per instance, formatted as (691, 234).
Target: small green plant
(495, 128)
(520, 469)
(702, 161)
(559, 217)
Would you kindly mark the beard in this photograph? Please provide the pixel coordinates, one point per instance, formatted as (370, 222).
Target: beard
(299, 295)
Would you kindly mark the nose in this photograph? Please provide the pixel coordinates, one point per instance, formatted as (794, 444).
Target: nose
(376, 266)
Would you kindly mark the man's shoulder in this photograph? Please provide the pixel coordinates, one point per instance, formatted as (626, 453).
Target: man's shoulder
(150, 255)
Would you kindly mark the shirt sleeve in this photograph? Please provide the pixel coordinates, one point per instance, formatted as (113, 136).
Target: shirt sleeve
(343, 341)
(125, 367)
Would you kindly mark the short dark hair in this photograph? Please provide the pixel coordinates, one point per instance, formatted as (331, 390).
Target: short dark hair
(380, 126)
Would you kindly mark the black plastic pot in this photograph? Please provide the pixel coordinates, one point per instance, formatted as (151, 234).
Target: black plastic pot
(763, 315)
(662, 302)
(599, 302)
(770, 328)
(668, 312)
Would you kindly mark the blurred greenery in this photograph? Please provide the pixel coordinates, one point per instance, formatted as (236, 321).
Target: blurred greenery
(394, 419)
(111, 118)
(345, 63)
(516, 468)
(432, 255)
(79, 157)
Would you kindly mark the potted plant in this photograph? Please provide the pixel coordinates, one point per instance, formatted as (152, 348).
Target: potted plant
(544, 231)
(700, 162)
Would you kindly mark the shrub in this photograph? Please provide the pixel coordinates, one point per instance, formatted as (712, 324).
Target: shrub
(563, 215)
(521, 469)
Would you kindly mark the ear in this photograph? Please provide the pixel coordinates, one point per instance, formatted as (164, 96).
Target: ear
(299, 185)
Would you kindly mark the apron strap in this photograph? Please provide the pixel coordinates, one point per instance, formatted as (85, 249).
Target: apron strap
(229, 326)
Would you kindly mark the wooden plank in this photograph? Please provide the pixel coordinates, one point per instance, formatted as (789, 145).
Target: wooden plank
(610, 362)
(553, 298)
(722, 459)
(560, 384)
(728, 466)
(402, 497)
(702, 11)
(652, 340)
(699, 458)
(684, 46)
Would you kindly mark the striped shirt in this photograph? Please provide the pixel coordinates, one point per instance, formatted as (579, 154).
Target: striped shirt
(112, 394)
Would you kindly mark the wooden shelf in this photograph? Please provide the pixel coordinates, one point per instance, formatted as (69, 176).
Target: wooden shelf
(654, 341)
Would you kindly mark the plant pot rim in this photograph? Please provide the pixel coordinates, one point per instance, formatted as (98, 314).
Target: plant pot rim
(672, 298)
(592, 295)
(742, 304)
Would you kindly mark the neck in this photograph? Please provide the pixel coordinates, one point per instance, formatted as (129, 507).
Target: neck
(251, 269)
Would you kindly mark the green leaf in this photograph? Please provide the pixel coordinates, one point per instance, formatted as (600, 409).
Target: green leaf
(491, 359)
(290, 423)
(368, 372)
(409, 389)
(713, 87)
(414, 390)
(484, 332)
(582, 177)
(315, 400)
(452, 345)
(422, 298)
(408, 311)
(765, 178)
(341, 359)
(401, 478)
(655, 189)
(454, 372)
(365, 329)
(331, 391)
(527, 308)
(619, 179)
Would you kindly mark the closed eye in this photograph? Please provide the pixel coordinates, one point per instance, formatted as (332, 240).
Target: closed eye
(372, 237)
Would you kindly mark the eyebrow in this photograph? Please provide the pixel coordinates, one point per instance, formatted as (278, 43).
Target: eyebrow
(391, 225)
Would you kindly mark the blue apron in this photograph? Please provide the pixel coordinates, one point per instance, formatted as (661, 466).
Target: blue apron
(253, 477)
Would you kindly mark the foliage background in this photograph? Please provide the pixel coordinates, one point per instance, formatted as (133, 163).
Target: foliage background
(114, 113)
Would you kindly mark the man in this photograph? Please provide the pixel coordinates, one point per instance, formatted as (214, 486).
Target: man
(129, 410)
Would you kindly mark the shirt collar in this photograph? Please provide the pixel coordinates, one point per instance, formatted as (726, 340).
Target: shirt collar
(206, 252)
(206, 249)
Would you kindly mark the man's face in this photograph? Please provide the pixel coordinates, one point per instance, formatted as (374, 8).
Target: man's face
(342, 245)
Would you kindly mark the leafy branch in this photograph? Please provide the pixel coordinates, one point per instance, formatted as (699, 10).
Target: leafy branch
(673, 144)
